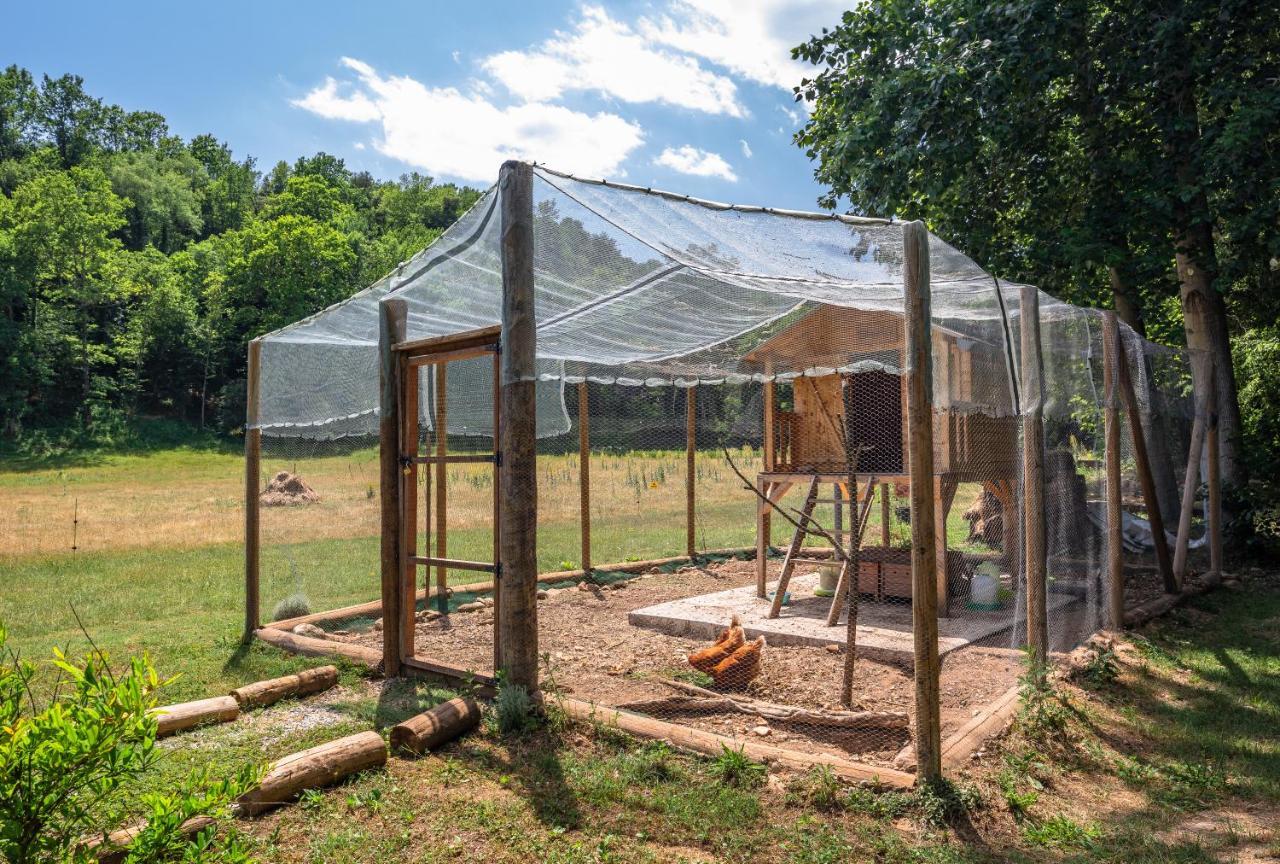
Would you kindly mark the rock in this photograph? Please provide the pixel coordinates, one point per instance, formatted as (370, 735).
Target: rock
(762, 730)
(833, 648)
(474, 606)
(586, 586)
(542, 595)
(377, 626)
(310, 630)
(427, 615)
(616, 586)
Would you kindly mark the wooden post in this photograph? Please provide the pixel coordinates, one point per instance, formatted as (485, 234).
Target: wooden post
(1203, 372)
(584, 473)
(1214, 480)
(392, 323)
(442, 476)
(252, 505)
(924, 582)
(518, 614)
(1115, 513)
(764, 519)
(690, 453)
(497, 508)
(885, 514)
(1033, 521)
(1146, 477)
(408, 505)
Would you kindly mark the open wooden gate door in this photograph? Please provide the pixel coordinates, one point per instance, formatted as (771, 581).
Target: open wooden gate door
(425, 365)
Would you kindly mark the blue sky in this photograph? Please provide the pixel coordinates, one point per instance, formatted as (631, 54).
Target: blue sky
(688, 95)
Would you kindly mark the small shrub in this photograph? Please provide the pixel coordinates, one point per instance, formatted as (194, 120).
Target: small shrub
(735, 768)
(514, 711)
(941, 802)
(819, 788)
(293, 606)
(1100, 669)
(882, 805)
(1017, 801)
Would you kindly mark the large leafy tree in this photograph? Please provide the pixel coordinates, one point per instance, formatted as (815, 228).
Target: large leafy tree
(1075, 144)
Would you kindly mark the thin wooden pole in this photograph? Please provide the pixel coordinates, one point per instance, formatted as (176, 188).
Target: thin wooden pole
(497, 508)
(924, 561)
(1146, 477)
(1214, 480)
(1033, 519)
(764, 519)
(408, 504)
(885, 513)
(394, 313)
(1115, 513)
(442, 476)
(690, 454)
(252, 505)
(1191, 480)
(518, 615)
(584, 472)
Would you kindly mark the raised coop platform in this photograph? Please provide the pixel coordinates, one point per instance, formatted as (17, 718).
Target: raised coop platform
(884, 629)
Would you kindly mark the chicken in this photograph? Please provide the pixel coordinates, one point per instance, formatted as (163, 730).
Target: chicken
(741, 667)
(729, 640)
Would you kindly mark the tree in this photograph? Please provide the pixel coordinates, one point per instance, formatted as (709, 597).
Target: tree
(164, 207)
(1061, 143)
(18, 96)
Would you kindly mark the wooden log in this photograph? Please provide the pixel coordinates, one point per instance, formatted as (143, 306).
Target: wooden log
(308, 647)
(1191, 480)
(711, 744)
(430, 729)
(690, 451)
(393, 318)
(1115, 512)
(1033, 522)
(518, 613)
(1146, 477)
(185, 715)
(252, 503)
(924, 560)
(584, 473)
(114, 848)
(704, 700)
(992, 719)
(262, 693)
(322, 765)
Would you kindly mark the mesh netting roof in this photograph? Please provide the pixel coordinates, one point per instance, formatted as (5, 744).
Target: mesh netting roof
(639, 287)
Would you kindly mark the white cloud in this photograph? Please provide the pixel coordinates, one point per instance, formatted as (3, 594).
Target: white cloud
(746, 148)
(751, 38)
(699, 163)
(608, 56)
(444, 131)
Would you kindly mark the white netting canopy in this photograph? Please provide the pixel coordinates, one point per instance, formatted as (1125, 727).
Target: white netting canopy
(639, 287)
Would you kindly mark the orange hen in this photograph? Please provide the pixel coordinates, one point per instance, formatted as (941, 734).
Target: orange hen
(741, 667)
(729, 640)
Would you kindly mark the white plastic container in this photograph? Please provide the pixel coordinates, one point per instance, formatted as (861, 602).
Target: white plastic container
(984, 590)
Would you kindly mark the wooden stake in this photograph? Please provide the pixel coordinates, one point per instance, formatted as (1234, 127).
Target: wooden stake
(690, 452)
(764, 520)
(885, 536)
(584, 473)
(442, 476)
(393, 318)
(924, 582)
(252, 504)
(1033, 521)
(518, 614)
(1191, 480)
(1146, 476)
(1115, 514)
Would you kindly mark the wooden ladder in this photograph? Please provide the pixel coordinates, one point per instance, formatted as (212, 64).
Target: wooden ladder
(789, 563)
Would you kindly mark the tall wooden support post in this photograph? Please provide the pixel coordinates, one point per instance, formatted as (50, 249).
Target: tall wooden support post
(518, 614)
(408, 377)
(886, 536)
(1146, 474)
(252, 512)
(1111, 426)
(1203, 372)
(584, 474)
(1036, 562)
(1214, 479)
(442, 477)
(690, 453)
(764, 515)
(924, 561)
(394, 313)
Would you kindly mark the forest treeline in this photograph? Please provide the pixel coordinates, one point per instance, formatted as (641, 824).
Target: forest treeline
(135, 266)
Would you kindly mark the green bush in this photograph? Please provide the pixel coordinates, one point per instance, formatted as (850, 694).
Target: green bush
(293, 606)
(69, 757)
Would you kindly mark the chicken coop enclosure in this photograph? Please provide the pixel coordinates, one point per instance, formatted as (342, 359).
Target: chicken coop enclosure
(808, 484)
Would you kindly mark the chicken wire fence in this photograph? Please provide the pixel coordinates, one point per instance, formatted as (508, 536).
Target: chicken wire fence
(728, 373)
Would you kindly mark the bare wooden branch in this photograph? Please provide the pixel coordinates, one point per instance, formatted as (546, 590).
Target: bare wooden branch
(698, 700)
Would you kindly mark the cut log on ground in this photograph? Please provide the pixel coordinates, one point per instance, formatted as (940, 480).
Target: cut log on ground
(430, 729)
(319, 766)
(115, 848)
(698, 700)
(262, 693)
(309, 647)
(175, 718)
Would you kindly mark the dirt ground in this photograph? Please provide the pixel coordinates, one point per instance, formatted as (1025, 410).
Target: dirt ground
(592, 653)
